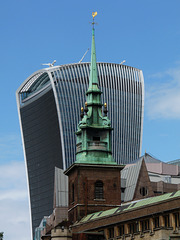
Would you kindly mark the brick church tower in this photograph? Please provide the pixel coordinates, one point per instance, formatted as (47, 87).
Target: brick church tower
(94, 178)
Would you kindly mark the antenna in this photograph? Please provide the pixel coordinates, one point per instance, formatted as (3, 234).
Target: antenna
(49, 64)
(84, 55)
(123, 61)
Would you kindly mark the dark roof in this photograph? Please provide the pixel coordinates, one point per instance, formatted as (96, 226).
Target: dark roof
(175, 162)
(147, 158)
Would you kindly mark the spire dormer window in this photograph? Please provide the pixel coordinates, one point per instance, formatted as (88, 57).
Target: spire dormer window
(97, 139)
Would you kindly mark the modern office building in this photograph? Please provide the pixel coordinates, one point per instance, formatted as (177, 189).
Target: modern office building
(49, 103)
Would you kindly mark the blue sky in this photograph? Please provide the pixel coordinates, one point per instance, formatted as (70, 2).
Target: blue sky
(144, 33)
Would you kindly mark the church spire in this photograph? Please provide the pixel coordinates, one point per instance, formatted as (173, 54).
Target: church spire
(94, 129)
(93, 88)
(93, 79)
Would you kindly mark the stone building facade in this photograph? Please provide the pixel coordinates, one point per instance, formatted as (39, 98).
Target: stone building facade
(152, 218)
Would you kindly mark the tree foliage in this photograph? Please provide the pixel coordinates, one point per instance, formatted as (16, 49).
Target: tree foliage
(1, 235)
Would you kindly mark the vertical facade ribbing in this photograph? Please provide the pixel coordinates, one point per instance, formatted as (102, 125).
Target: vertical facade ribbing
(123, 89)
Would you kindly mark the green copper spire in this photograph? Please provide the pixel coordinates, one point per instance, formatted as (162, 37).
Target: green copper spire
(94, 130)
(93, 79)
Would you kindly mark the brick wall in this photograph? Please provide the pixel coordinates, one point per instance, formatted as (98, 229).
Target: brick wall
(83, 180)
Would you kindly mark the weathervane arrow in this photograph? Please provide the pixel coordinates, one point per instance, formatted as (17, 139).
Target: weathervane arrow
(93, 15)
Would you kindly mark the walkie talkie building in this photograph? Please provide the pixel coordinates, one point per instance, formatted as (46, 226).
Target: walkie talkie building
(49, 103)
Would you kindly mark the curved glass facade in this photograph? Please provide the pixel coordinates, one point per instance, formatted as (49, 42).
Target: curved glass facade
(43, 152)
(123, 90)
(49, 104)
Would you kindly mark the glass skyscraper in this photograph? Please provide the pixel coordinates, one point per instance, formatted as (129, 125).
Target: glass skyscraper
(49, 104)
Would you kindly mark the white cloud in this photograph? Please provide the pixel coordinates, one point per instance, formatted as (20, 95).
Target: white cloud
(13, 195)
(14, 209)
(12, 174)
(162, 99)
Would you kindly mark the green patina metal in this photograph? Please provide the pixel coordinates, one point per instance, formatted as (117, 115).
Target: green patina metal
(131, 206)
(94, 130)
(93, 79)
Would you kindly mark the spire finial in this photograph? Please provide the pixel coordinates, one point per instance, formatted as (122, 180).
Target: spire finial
(93, 15)
(93, 78)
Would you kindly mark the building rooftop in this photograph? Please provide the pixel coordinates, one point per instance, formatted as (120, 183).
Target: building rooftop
(175, 162)
(156, 166)
(148, 159)
(130, 206)
(131, 175)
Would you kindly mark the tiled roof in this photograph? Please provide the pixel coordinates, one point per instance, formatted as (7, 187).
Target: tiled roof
(131, 206)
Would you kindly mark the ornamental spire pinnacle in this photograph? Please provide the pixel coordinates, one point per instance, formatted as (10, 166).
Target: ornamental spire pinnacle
(93, 79)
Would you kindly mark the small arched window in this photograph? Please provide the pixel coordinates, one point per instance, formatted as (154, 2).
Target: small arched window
(98, 193)
(143, 191)
(73, 192)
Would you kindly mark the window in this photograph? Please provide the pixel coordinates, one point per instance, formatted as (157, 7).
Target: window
(176, 215)
(143, 191)
(166, 221)
(96, 138)
(133, 227)
(121, 230)
(145, 225)
(73, 192)
(111, 232)
(156, 222)
(98, 193)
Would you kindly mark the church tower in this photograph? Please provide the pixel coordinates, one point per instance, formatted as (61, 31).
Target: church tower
(94, 178)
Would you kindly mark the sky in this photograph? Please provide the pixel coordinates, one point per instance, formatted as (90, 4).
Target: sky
(144, 33)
